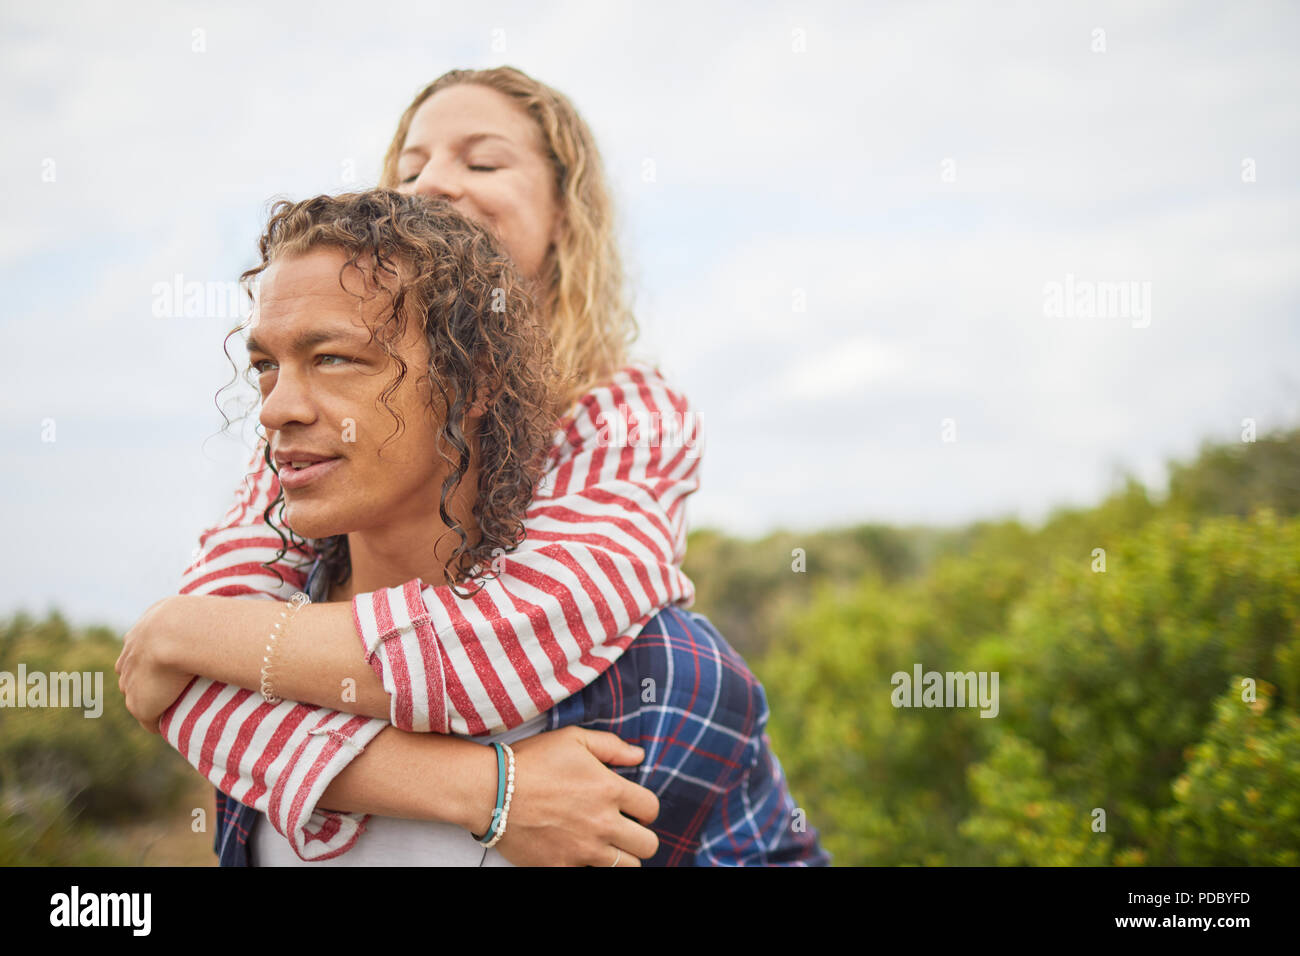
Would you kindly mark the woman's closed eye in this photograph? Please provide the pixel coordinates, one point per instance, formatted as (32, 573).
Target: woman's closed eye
(472, 168)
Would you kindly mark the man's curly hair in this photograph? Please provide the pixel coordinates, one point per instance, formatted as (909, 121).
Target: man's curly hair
(441, 269)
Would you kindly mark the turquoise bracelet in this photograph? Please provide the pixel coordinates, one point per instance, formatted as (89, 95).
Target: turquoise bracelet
(501, 796)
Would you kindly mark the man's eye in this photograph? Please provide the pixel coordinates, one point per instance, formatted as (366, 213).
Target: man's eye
(410, 179)
(342, 359)
(483, 169)
(258, 366)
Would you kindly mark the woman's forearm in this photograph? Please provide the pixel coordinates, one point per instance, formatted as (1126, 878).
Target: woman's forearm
(418, 777)
(316, 659)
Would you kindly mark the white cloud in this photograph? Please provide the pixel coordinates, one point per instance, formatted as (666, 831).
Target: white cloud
(844, 370)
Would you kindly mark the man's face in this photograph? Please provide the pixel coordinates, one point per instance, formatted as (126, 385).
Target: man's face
(321, 383)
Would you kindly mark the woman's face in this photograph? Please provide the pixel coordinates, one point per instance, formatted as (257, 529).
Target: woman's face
(472, 146)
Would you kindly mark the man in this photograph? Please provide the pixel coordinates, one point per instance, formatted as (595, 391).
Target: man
(425, 473)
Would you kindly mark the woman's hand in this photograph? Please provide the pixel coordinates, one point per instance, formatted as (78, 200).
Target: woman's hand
(146, 677)
(568, 806)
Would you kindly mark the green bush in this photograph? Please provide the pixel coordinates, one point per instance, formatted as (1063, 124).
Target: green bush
(1111, 684)
(39, 828)
(61, 771)
(1113, 675)
(1020, 821)
(1238, 801)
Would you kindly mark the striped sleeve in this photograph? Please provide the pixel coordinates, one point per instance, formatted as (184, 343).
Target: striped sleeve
(279, 758)
(605, 537)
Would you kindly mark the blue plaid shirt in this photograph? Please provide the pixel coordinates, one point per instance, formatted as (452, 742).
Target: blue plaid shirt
(680, 692)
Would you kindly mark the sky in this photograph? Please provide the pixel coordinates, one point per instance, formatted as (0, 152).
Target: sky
(910, 262)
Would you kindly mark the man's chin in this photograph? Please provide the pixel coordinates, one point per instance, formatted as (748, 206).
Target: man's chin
(312, 523)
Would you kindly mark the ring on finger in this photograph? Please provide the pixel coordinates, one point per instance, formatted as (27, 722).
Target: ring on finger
(617, 858)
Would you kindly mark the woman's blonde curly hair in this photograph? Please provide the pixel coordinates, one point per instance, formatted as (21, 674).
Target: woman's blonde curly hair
(487, 347)
(582, 295)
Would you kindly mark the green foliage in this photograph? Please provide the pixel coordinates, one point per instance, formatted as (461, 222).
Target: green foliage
(1020, 821)
(746, 586)
(1111, 683)
(37, 828)
(1238, 478)
(1115, 672)
(63, 773)
(841, 742)
(1238, 802)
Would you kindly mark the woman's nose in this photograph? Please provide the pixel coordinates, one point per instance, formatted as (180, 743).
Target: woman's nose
(438, 181)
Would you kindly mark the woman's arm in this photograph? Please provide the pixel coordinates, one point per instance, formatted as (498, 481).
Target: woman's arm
(568, 807)
(227, 639)
(606, 535)
(575, 581)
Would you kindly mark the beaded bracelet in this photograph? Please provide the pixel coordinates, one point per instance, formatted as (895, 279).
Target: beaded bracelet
(282, 625)
(510, 792)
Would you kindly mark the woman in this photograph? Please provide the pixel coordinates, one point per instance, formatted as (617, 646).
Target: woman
(514, 156)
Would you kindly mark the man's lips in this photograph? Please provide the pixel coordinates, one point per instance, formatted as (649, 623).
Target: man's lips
(315, 468)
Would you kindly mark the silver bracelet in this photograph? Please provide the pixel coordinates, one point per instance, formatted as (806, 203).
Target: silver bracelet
(282, 625)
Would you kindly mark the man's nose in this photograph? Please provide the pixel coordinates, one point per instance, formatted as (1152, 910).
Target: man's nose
(288, 402)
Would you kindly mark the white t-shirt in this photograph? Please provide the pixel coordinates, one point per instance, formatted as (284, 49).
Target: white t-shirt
(390, 841)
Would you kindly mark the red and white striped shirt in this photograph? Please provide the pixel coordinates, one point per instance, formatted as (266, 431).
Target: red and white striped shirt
(606, 535)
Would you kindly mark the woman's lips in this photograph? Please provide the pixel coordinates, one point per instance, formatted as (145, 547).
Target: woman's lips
(295, 478)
